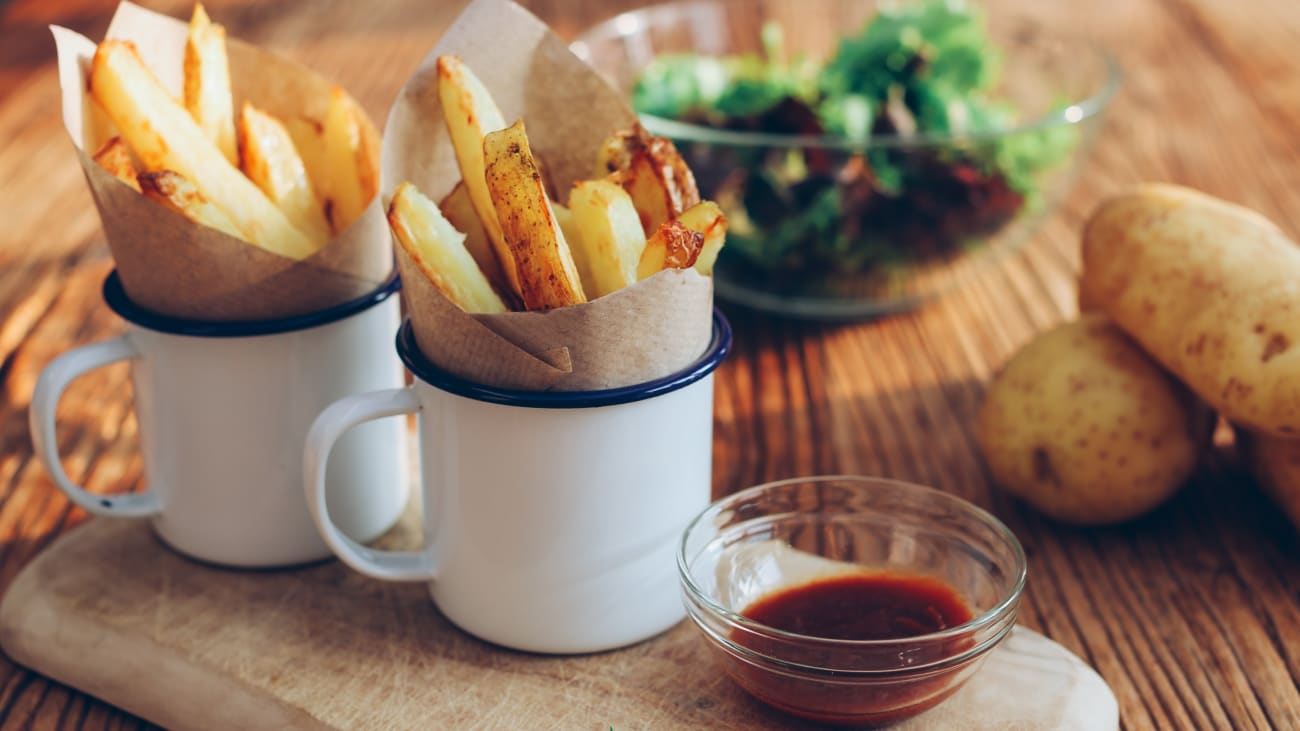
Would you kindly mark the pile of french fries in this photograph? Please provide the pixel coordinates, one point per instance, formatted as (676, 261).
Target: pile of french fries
(499, 242)
(287, 186)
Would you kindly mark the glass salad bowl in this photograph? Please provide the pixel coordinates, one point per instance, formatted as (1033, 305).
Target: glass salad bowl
(865, 160)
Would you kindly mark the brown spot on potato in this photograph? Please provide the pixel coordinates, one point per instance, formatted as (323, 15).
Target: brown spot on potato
(1043, 469)
(1277, 344)
(1198, 346)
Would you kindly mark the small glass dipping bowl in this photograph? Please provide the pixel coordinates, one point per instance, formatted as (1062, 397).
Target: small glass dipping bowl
(785, 534)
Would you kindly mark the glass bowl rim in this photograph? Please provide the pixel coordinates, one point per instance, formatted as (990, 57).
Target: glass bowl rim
(1074, 112)
(988, 617)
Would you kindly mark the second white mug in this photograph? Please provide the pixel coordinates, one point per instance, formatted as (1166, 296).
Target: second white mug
(551, 519)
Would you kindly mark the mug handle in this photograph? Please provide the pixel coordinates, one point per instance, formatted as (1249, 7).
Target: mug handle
(336, 419)
(45, 399)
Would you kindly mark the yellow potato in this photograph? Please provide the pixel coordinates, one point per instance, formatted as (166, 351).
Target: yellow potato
(207, 82)
(164, 136)
(309, 140)
(548, 278)
(652, 171)
(1276, 465)
(268, 157)
(673, 246)
(1211, 290)
(352, 152)
(439, 251)
(114, 158)
(1085, 427)
(179, 193)
(609, 239)
(471, 113)
(459, 211)
(706, 217)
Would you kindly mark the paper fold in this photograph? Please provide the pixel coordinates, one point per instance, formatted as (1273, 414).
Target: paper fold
(646, 331)
(173, 266)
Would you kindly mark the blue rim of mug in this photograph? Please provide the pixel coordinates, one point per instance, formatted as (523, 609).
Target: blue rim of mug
(117, 301)
(713, 356)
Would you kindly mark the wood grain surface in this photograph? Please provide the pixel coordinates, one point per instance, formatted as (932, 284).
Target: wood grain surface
(1192, 614)
(323, 648)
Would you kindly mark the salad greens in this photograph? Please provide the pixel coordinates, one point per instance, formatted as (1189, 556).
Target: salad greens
(915, 70)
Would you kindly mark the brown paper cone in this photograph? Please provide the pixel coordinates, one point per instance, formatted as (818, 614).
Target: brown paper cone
(173, 266)
(646, 331)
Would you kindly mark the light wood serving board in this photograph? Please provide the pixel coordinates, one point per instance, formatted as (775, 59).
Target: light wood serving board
(109, 610)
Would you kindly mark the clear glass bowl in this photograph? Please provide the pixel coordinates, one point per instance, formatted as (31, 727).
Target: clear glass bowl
(896, 251)
(786, 534)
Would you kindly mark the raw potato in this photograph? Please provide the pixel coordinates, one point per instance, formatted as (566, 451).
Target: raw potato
(1276, 465)
(1211, 290)
(1085, 427)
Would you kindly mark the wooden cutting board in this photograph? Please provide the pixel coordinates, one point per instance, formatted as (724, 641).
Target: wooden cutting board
(109, 610)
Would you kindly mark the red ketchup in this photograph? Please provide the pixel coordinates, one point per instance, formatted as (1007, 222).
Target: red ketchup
(874, 606)
(864, 607)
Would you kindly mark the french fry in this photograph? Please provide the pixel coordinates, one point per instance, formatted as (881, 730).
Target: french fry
(569, 227)
(350, 149)
(471, 113)
(706, 218)
(268, 157)
(96, 126)
(653, 172)
(547, 275)
(207, 82)
(309, 140)
(673, 246)
(178, 193)
(165, 137)
(459, 211)
(114, 158)
(439, 250)
(610, 239)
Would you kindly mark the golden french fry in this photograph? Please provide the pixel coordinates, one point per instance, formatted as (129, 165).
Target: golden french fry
(350, 147)
(165, 137)
(569, 227)
(707, 218)
(459, 211)
(269, 159)
(207, 82)
(309, 140)
(114, 158)
(653, 173)
(439, 250)
(673, 246)
(179, 193)
(96, 126)
(547, 275)
(610, 239)
(471, 113)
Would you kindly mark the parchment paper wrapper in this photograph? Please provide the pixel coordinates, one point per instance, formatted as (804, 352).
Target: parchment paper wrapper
(173, 266)
(645, 331)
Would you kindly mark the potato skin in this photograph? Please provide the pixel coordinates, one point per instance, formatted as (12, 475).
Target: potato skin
(1084, 426)
(1276, 465)
(1211, 290)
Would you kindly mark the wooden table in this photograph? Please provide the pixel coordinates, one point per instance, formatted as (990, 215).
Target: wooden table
(1191, 614)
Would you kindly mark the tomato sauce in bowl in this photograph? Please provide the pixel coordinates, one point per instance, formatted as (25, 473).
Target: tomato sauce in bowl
(850, 600)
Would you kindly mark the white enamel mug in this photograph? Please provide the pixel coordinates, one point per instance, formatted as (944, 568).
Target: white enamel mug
(551, 519)
(224, 408)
